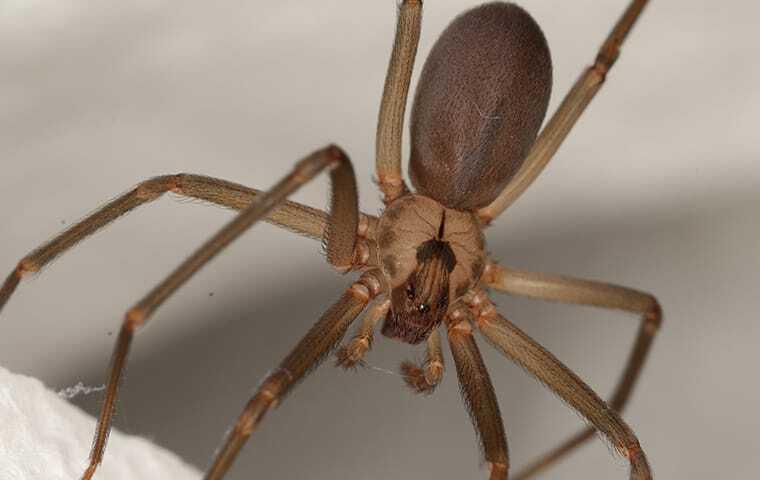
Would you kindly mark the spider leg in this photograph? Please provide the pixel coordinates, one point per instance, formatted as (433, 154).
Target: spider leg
(584, 292)
(351, 354)
(393, 103)
(340, 250)
(540, 363)
(424, 378)
(293, 216)
(309, 352)
(563, 120)
(477, 392)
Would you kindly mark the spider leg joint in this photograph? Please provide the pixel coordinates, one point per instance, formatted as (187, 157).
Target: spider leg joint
(653, 317)
(135, 318)
(27, 266)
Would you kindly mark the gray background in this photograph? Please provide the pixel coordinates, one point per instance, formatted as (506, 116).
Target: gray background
(656, 188)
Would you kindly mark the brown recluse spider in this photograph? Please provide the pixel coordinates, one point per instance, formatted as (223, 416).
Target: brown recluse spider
(475, 147)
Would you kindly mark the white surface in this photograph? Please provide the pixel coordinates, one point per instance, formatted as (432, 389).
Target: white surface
(43, 437)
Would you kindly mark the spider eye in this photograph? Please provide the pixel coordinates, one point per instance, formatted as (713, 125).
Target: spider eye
(422, 307)
(410, 292)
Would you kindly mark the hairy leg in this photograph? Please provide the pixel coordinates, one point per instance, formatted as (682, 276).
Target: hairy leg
(563, 120)
(584, 292)
(340, 252)
(477, 392)
(293, 216)
(539, 362)
(309, 352)
(393, 103)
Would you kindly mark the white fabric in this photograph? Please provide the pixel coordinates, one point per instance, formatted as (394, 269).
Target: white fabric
(42, 436)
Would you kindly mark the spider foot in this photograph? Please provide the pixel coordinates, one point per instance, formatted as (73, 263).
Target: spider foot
(351, 355)
(422, 379)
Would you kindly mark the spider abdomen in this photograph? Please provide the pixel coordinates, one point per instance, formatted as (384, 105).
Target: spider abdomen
(480, 101)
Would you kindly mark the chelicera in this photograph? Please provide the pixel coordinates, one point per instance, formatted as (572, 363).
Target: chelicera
(475, 147)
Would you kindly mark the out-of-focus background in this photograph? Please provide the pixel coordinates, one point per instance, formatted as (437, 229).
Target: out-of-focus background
(656, 188)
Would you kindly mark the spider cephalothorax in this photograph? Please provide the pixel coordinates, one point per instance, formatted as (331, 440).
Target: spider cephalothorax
(430, 255)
